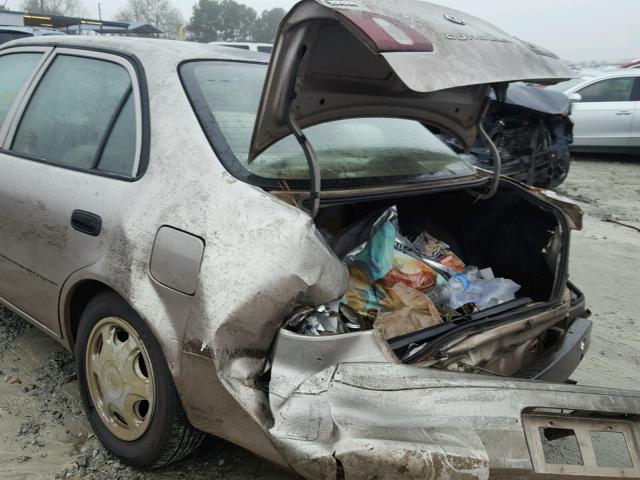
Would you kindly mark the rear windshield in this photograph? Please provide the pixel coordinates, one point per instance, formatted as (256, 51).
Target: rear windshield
(226, 96)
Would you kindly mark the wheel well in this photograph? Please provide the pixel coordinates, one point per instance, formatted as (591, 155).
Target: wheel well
(80, 297)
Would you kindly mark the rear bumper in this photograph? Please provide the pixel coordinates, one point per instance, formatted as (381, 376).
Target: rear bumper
(362, 421)
(562, 358)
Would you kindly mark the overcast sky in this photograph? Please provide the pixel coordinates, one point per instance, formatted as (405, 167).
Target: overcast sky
(574, 29)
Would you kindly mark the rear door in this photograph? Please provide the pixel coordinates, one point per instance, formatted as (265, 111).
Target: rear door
(604, 116)
(18, 68)
(71, 149)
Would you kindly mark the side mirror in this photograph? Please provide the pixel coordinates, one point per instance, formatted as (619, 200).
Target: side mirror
(575, 97)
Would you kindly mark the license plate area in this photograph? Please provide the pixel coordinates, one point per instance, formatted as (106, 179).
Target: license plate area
(583, 446)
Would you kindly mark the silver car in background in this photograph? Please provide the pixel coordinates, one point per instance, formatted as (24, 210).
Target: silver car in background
(606, 111)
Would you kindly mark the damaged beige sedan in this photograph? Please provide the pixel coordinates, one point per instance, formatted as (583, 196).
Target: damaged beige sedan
(290, 257)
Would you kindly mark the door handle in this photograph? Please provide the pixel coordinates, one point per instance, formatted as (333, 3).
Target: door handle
(86, 222)
(623, 112)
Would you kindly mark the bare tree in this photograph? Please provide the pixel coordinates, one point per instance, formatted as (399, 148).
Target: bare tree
(160, 13)
(70, 8)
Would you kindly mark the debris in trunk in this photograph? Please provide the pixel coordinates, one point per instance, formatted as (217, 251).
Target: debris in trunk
(380, 264)
(480, 288)
(416, 313)
(319, 321)
(399, 286)
(438, 251)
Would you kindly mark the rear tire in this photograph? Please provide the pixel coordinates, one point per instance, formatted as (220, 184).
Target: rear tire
(156, 434)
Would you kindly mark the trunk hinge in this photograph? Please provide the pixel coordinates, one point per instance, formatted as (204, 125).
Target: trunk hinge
(315, 180)
(500, 91)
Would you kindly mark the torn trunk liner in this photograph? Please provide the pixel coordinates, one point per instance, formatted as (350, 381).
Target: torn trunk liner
(425, 269)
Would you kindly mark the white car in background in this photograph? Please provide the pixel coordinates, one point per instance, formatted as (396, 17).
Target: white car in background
(606, 111)
(253, 47)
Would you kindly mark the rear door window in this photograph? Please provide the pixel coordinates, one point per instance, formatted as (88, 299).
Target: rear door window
(15, 69)
(611, 90)
(82, 115)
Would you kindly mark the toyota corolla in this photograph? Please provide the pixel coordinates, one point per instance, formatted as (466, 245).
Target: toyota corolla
(289, 256)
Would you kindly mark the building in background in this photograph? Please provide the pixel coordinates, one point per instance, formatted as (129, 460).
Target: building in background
(80, 26)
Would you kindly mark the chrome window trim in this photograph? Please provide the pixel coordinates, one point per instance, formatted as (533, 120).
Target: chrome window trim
(108, 57)
(26, 87)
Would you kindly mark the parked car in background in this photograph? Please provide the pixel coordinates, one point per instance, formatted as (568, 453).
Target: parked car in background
(299, 265)
(8, 33)
(632, 64)
(254, 47)
(532, 130)
(605, 111)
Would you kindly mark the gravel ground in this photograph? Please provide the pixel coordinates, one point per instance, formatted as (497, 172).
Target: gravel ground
(605, 261)
(44, 433)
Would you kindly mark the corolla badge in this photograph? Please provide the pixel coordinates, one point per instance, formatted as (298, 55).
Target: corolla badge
(454, 19)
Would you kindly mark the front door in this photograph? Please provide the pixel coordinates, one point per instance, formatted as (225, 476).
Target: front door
(604, 116)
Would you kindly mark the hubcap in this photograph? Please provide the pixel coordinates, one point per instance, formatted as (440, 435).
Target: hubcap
(120, 378)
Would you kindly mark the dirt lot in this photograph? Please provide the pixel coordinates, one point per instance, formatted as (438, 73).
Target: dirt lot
(43, 433)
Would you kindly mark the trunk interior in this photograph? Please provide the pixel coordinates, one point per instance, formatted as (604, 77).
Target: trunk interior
(508, 233)
(517, 236)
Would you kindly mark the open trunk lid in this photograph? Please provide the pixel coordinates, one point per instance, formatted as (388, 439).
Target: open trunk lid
(410, 59)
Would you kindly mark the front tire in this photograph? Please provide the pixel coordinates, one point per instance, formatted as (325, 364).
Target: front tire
(127, 389)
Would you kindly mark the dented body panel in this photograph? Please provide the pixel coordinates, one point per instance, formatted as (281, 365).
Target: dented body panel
(416, 423)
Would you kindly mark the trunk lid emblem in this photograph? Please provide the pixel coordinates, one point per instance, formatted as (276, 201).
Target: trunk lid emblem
(454, 19)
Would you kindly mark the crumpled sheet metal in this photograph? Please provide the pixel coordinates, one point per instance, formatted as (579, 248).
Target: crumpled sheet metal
(285, 263)
(488, 348)
(296, 358)
(389, 421)
(292, 267)
(371, 434)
